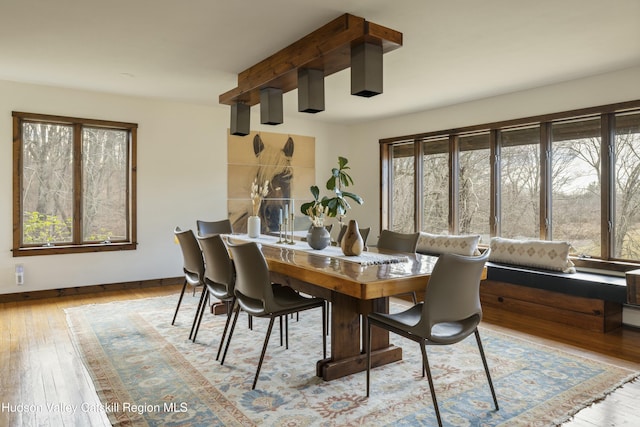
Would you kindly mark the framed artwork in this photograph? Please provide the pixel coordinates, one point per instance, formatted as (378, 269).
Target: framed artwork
(284, 163)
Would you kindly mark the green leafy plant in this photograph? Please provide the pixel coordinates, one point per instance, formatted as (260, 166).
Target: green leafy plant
(338, 205)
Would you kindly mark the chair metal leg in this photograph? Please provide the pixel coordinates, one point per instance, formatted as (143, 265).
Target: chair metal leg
(264, 350)
(204, 298)
(230, 308)
(486, 368)
(179, 301)
(233, 326)
(425, 363)
(286, 333)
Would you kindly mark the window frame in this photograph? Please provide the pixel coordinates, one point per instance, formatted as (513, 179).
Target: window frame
(77, 246)
(606, 113)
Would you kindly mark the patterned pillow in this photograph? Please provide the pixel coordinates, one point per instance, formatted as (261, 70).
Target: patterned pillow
(443, 244)
(545, 254)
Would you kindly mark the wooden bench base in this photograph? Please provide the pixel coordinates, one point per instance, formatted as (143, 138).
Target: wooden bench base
(585, 313)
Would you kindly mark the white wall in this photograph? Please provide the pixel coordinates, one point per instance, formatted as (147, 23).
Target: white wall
(182, 176)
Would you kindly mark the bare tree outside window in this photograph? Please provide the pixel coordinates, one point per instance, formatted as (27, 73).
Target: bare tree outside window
(47, 190)
(627, 182)
(475, 185)
(435, 199)
(403, 202)
(520, 182)
(576, 187)
(104, 166)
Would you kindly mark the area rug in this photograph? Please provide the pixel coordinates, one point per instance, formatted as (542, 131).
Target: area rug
(147, 372)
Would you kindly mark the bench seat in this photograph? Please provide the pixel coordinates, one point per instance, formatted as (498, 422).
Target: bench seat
(581, 284)
(585, 300)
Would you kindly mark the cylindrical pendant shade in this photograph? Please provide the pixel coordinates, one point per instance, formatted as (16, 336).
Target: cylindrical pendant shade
(240, 119)
(366, 70)
(310, 90)
(271, 106)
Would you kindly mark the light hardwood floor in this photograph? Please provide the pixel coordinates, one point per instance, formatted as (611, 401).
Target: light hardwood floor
(39, 366)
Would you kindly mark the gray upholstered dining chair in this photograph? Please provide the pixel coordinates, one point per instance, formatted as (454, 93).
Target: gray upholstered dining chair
(219, 280)
(214, 227)
(399, 242)
(450, 312)
(256, 295)
(193, 264)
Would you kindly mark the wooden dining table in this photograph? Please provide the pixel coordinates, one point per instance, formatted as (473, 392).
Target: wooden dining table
(355, 286)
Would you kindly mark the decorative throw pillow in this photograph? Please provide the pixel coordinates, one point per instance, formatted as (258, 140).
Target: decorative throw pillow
(443, 244)
(550, 255)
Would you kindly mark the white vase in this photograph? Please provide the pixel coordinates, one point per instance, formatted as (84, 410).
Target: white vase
(253, 226)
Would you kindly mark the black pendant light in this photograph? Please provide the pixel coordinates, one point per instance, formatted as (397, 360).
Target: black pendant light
(240, 119)
(366, 70)
(310, 90)
(271, 106)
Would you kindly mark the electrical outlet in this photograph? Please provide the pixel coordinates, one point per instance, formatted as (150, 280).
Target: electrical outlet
(19, 274)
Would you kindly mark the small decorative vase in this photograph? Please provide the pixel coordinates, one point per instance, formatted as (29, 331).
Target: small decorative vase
(318, 238)
(352, 243)
(253, 226)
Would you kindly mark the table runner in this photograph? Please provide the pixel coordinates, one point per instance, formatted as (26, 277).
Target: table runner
(365, 258)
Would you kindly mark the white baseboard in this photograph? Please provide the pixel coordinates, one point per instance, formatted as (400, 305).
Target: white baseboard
(631, 315)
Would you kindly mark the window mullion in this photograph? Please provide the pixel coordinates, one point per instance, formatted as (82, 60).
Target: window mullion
(494, 221)
(131, 187)
(77, 184)
(545, 181)
(454, 184)
(419, 185)
(608, 185)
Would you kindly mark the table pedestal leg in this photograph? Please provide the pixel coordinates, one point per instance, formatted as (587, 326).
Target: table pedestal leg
(347, 354)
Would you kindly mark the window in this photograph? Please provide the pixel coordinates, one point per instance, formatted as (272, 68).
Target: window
(571, 176)
(435, 184)
(576, 190)
(74, 185)
(626, 242)
(403, 188)
(520, 183)
(474, 185)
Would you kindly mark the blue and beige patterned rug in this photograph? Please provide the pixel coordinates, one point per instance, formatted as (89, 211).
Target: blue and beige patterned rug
(147, 372)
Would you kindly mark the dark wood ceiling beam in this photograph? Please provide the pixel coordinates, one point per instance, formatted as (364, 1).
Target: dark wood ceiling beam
(328, 48)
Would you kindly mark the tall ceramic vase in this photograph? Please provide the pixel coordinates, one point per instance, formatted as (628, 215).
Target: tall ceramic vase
(318, 237)
(253, 226)
(352, 243)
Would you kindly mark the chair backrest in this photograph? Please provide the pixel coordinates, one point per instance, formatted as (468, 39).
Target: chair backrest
(191, 253)
(214, 227)
(219, 267)
(364, 233)
(400, 242)
(453, 291)
(253, 282)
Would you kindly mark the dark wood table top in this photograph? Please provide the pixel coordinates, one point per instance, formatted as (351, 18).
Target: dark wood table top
(341, 274)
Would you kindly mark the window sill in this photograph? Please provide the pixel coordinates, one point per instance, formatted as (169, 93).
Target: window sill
(73, 249)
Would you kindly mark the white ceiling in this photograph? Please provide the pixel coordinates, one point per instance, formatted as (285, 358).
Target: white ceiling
(192, 50)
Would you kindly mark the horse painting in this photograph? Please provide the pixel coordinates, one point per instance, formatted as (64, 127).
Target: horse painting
(274, 167)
